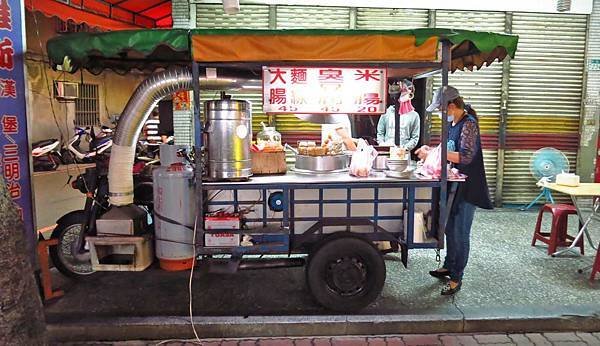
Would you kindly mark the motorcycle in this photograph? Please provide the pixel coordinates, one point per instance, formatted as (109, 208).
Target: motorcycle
(97, 144)
(71, 256)
(46, 155)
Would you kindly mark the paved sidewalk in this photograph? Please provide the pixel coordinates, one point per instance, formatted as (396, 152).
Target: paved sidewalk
(533, 339)
(510, 287)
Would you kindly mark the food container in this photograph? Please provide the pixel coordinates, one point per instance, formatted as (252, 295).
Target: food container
(397, 153)
(319, 164)
(228, 131)
(380, 163)
(397, 165)
(269, 139)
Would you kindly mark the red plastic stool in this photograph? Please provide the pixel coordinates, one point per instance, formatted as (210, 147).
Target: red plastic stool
(596, 265)
(558, 233)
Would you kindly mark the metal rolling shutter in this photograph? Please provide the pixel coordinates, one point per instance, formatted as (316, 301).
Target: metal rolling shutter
(387, 18)
(313, 17)
(291, 128)
(545, 91)
(211, 16)
(480, 88)
(182, 127)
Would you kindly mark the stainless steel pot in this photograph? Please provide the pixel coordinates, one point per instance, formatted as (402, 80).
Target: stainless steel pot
(380, 163)
(322, 163)
(228, 131)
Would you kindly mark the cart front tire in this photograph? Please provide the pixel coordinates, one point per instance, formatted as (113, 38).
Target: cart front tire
(346, 274)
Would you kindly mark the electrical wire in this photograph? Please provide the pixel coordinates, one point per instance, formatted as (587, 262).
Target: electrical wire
(190, 281)
(46, 81)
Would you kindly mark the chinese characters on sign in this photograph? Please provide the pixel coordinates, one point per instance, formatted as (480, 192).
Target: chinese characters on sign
(14, 146)
(353, 90)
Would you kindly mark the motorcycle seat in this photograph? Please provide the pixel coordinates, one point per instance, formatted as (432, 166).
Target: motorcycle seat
(43, 143)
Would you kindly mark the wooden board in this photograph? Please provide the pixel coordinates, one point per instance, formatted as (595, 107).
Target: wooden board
(268, 163)
(583, 190)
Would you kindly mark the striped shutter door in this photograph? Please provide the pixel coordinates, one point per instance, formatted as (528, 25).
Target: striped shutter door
(391, 19)
(313, 17)
(291, 128)
(482, 89)
(545, 91)
(592, 103)
(212, 16)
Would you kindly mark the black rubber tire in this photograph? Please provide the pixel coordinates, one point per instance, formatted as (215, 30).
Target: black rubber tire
(330, 260)
(68, 224)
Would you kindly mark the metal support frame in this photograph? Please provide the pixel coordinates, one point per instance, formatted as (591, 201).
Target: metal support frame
(583, 230)
(502, 126)
(198, 157)
(446, 60)
(287, 218)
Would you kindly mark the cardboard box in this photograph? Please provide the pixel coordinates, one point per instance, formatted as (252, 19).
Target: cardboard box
(221, 240)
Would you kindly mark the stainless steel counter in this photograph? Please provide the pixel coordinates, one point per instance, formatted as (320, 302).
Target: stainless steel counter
(293, 178)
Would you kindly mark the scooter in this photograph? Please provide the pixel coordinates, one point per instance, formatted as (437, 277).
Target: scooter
(98, 144)
(46, 155)
(71, 256)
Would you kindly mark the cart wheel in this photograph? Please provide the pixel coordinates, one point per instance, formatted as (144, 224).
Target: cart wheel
(345, 274)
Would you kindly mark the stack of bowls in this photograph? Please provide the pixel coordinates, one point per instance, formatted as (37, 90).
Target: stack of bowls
(397, 165)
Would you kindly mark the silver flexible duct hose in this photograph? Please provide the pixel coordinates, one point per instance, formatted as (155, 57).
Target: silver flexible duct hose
(132, 119)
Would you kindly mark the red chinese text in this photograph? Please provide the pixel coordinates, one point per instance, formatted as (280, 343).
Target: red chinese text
(278, 74)
(298, 75)
(10, 125)
(12, 168)
(8, 88)
(367, 75)
(331, 76)
(372, 99)
(5, 20)
(14, 189)
(277, 96)
(6, 54)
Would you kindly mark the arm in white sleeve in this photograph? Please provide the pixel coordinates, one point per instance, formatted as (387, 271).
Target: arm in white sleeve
(381, 127)
(415, 132)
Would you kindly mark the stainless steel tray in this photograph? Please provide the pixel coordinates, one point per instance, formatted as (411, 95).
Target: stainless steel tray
(309, 172)
(322, 163)
(402, 175)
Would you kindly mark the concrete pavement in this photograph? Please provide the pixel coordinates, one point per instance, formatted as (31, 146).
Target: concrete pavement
(509, 286)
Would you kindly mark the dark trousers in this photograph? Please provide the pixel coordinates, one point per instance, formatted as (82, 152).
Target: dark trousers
(458, 234)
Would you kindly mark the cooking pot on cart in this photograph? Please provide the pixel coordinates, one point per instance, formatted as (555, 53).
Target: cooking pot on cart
(320, 163)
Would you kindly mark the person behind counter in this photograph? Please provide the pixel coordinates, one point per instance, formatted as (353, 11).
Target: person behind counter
(410, 123)
(464, 152)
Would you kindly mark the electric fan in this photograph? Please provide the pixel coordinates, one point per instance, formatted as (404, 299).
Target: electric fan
(544, 165)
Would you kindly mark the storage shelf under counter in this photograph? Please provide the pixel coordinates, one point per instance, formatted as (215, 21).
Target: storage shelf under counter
(378, 207)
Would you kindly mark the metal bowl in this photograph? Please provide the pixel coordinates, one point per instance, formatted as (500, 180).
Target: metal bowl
(380, 163)
(397, 164)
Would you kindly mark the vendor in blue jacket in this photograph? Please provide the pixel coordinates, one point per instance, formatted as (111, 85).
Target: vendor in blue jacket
(410, 123)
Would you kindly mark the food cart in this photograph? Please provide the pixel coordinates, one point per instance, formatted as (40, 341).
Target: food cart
(334, 218)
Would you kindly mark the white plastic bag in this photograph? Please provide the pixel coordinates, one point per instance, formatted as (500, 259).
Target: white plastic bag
(432, 165)
(362, 159)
